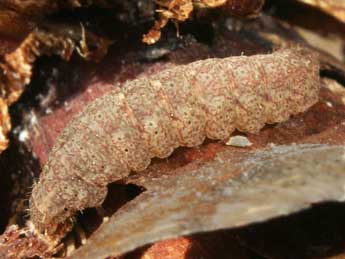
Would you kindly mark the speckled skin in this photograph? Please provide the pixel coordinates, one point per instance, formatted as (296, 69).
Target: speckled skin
(123, 130)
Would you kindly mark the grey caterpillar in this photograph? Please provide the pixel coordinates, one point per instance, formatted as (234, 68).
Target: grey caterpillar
(150, 117)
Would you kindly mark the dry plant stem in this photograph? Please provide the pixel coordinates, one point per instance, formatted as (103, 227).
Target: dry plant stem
(150, 117)
(155, 33)
(5, 124)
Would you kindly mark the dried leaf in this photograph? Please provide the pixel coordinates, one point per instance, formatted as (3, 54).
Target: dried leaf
(16, 71)
(181, 10)
(335, 8)
(230, 191)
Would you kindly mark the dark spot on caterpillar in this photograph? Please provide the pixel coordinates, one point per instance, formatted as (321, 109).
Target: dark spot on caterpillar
(150, 117)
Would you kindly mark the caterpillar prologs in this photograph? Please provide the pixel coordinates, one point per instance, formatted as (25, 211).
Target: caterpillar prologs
(150, 117)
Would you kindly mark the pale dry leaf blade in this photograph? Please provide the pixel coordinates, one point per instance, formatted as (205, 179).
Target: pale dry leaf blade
(224, 193)
(335, 8)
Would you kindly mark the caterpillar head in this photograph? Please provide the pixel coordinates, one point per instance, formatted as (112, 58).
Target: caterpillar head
(53, 202)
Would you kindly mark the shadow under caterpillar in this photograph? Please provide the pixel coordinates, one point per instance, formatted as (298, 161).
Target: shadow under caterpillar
(150, 117)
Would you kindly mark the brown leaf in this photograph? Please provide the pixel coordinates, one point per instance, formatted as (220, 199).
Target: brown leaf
(235, 189)
(181, 10)
(335, 8)
(16, 71)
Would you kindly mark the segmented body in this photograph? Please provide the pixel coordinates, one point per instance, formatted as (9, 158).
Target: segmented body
(150, 117)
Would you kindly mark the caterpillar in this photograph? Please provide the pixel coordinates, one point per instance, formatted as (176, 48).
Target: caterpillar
(148, 117)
